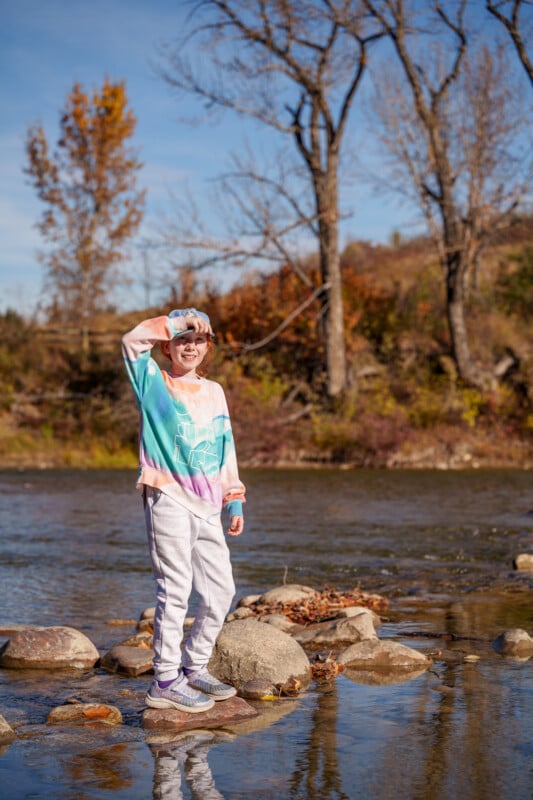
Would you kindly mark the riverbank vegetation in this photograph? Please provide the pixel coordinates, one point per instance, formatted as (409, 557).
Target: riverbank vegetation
(413, 354)
(66, 399)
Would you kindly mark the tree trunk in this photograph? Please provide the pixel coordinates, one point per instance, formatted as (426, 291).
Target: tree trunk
(334, 327)
(468, 371)
(332, 299)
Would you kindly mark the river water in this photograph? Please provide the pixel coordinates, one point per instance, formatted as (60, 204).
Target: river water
(439, 545)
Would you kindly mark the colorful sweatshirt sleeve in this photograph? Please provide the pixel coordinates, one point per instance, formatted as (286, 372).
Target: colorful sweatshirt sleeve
(137, 344)
(233, 490)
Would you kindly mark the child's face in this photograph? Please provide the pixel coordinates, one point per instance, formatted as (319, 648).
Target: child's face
(187, 353)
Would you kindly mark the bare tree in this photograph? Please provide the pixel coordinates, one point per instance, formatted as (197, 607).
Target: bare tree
(512, 23)
(451, 123)
(295, 67)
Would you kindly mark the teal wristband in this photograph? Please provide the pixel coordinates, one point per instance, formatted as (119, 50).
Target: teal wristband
(234, 508)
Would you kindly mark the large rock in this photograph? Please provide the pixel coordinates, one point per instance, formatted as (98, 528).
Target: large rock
(56, 647)
(382, 653)
(248, 650)
(339, 632)
(6, 631)
(128, 660)
(225, 713)
(291, 593)
(515, 642)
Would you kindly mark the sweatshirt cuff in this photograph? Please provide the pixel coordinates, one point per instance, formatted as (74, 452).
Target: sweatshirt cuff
(234, 508)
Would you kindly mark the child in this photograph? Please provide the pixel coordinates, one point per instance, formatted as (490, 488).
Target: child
(188, 473)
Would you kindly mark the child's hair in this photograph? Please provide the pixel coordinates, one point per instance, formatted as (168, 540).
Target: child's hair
(202, 369)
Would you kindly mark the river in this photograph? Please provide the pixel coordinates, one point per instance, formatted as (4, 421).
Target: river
(438, 544)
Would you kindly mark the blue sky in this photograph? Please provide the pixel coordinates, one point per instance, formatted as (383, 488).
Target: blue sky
(47, 45)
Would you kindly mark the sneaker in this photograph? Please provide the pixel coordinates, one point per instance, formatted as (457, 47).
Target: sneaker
(178, 695)
(178, 747)
(203, 681)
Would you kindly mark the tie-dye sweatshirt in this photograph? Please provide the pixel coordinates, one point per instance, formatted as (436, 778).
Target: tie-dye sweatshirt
(186, 446)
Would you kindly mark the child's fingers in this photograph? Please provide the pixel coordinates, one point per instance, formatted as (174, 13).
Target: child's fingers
(198, 324)
(236, 525)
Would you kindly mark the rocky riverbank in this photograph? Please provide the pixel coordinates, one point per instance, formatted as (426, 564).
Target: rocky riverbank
(443, 447)
(271, 648)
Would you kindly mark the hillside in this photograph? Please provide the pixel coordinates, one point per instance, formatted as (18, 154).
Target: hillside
(66, 404)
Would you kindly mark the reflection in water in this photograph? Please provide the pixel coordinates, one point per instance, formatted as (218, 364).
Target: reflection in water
(474, 713)
(426, 540)
(317, 775)
(460, 731)
(185, 755)
(109, 769)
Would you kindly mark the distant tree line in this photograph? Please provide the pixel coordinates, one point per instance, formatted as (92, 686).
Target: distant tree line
(448, 80)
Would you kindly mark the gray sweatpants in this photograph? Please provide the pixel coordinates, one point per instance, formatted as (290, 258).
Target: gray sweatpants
(186, 552)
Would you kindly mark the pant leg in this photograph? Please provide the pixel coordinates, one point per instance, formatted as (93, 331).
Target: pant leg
(213, 581)
(199, 776)
(170, 531)
(167, 777)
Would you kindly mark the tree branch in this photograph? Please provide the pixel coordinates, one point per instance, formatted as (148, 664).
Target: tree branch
(512, 26)
(286, 322)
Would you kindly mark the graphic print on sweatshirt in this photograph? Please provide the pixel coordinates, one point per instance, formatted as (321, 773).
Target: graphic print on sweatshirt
(198, 447)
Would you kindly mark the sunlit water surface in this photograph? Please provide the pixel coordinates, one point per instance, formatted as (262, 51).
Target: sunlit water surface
(439, 544)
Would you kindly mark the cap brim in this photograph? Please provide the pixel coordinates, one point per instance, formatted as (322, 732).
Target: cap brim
(190, 330)
(183, 333)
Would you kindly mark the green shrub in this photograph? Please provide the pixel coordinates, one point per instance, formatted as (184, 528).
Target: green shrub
(514, 285)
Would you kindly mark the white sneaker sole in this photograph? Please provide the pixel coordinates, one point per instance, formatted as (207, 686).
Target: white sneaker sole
(162, 702)
(224, 697)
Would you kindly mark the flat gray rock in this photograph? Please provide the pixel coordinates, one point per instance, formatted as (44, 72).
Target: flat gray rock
(514, 642)
(128, 660)
(291, 593)
(382, 653)
(83, 713)
(223, 713)
(338, 632)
